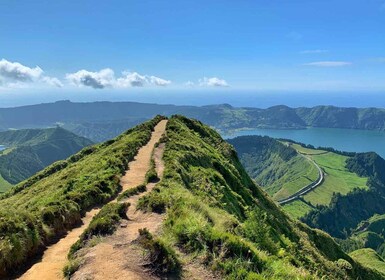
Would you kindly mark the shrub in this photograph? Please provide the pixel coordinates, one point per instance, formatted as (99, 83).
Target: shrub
(131, 192)
(103, 223)
(161, 258)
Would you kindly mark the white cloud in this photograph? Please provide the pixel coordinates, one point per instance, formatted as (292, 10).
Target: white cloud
(131, 79)
(106, 78)
(14, 74)
(313, 51)
(329, 63)
(98, 80)
(159, 82)
(213, 82)
(52, 81)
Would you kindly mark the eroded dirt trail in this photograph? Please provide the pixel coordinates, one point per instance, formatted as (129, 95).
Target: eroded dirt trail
(116, 257)
(55, 256)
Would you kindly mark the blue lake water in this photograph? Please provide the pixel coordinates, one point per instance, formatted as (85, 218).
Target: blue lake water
(2, 147)
(350, 140)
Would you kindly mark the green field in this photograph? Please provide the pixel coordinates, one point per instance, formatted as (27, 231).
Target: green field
(338, 179)
(297, 209)
(300, 173)
(369, 258)
(4, 185)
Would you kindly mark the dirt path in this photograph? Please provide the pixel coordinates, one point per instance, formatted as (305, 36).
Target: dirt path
(55, 256)
(117, 257)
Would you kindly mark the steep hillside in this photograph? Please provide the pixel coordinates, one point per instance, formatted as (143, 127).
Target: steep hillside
(369, 258)
(214, 216)
(345, 212)
(30, 150)
(277, 167)
(219, 217)
(53, 200)
(100, 121)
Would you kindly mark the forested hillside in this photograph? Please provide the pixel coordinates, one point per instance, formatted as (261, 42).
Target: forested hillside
(30, 150)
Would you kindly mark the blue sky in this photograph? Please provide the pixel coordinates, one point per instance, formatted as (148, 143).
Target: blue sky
(63, 46)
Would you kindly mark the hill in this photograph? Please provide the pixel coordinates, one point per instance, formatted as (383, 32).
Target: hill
(277, 167)
(213, 215)
(283, 168)
(100, 121)
(30, 150)
(369, 258)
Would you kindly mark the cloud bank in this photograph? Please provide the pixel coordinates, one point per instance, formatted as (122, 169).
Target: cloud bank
(105, 78)
(15, 73)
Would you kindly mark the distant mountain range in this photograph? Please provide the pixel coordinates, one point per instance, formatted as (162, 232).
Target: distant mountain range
(100, 121)
(30, 150)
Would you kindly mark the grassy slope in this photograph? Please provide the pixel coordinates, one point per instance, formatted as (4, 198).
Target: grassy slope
(4, 185)
(30, 150)
(297, 208)
(53, 200)
(369, 258)
(217, 214)
(274, 166)
(338, 179)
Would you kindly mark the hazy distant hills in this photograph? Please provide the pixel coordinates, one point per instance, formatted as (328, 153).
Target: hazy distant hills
(103, 120)
(30, 150)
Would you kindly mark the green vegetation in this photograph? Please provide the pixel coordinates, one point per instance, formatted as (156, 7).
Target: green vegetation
(104, 223)
(214, 212)
(30, 150)
(297, 208)
(161, 258)
(151, 174)
(52, 201)
(4, 185)
(338, 179)
(131, 192)
(277, 167)
(369, 258)
(345, 212)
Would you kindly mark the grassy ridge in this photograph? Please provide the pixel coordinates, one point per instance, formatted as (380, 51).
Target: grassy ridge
(52, 201)
(218, 215)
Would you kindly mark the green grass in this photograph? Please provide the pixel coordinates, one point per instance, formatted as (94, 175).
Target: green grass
(297, 209)
(104, 223)
(274, 165)
(131, 192)
(4, 185)
(337, 179)
(369, 258)
(52, 201)
(299, 174)
(304, 150)
(215, 213)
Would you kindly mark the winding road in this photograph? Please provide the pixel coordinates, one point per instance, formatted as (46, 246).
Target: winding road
(307, 188)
